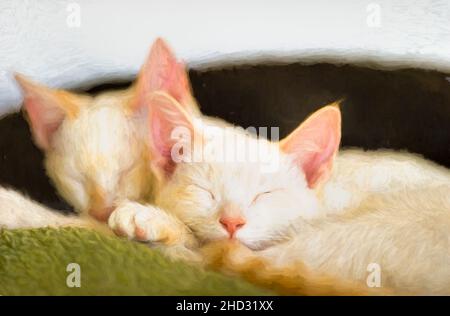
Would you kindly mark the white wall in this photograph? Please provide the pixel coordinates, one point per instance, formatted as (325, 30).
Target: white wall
(40, 38)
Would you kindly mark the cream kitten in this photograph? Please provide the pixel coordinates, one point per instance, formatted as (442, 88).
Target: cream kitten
(96, 150)
(338, 213)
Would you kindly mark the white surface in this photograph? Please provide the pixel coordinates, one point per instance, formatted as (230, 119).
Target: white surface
(114, 36)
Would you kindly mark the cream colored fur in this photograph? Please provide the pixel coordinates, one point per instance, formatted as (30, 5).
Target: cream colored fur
(104, 151)
(17, 211)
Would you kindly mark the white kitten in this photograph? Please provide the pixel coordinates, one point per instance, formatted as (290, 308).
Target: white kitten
(386, 208)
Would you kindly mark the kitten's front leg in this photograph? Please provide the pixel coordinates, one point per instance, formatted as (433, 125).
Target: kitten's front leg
(149, 223)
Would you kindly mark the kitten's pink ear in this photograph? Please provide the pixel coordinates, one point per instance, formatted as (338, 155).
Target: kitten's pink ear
(162, 72)
(170, 126)
(315, 143)
(46, 109)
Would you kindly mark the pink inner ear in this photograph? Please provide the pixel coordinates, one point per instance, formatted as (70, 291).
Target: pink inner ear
(165, 114)
(43, 109)
(161, 130)
(314, 144)
(44, 119)
(171, 78)
(162, 72)
(160, 146)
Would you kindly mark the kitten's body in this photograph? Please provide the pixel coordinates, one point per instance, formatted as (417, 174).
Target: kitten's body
(407, 236)
(385, 208)
(359, 174)
(17, 211)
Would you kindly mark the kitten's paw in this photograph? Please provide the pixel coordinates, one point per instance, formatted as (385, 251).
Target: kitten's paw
(149, 223)
(139, 222)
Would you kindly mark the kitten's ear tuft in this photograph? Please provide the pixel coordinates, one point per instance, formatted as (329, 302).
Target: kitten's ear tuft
(315, 143)
(162, 72)
(46, 109)
(171, 130)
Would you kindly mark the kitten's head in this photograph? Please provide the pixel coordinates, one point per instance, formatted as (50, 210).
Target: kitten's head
(240, 197)
(95, 149)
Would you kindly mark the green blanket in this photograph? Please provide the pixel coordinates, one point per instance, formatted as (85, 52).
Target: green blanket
(37, 262)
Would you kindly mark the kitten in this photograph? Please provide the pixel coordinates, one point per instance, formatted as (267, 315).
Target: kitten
(96, 150)
(337, 212)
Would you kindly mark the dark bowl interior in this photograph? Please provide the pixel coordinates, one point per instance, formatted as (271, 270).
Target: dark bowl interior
(406, 109)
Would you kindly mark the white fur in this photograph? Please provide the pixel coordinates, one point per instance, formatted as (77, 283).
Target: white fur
(16, 211)
(358, 175)
(406, 234)
(397, 215)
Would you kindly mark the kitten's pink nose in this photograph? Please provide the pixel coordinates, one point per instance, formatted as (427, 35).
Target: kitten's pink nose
(232, 224)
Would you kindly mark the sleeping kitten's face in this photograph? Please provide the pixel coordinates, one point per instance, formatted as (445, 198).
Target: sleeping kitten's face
(220, 199)
(244, 199)
(101, 156)
(96, 148)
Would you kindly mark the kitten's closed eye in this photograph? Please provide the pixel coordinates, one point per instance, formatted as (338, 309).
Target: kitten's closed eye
(263, 194)
(213, 197)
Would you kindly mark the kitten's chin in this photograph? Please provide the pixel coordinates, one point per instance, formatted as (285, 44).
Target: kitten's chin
(252, 245)
(258, 246)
